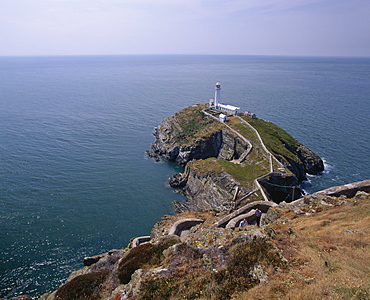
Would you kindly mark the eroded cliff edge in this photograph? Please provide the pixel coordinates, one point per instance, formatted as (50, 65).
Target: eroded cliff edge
(227, 163)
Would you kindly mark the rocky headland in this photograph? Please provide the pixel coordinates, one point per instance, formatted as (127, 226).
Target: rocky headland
(311, 247)
(227, 163)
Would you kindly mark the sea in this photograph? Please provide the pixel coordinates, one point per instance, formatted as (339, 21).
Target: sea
(74, 177)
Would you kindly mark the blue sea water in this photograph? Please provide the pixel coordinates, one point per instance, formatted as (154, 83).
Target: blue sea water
(74, 179)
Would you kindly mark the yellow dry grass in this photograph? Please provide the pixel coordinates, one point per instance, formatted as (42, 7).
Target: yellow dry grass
(328, 253)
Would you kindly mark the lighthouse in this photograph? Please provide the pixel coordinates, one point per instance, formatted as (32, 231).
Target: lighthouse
(216, 102)
(217, 94)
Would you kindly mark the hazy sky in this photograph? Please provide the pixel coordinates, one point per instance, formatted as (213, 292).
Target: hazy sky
(257, 27)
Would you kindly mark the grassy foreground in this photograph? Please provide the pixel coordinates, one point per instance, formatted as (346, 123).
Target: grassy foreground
(328, 253)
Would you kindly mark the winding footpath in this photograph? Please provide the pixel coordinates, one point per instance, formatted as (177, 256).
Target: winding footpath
(271, 156)
(249, 149)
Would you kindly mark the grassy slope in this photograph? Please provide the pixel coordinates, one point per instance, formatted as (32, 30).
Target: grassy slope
(258, 155)
(193, 125)
(328, 252)
(274, 137)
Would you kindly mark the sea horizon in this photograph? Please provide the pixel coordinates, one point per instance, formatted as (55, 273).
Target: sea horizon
(194, 54)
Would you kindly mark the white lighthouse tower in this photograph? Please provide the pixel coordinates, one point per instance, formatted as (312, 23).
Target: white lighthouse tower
(217, 94)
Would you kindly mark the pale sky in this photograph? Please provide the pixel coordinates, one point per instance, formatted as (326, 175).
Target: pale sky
(246, 27)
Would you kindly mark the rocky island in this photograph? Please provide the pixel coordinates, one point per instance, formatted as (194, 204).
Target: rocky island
(304, 247)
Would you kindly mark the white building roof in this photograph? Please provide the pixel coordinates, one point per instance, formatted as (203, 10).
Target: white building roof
(229, 107)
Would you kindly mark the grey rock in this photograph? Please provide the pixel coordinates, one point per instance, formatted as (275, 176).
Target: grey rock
(348, 190)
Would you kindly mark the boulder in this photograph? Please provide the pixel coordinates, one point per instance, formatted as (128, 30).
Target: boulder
(178, 180)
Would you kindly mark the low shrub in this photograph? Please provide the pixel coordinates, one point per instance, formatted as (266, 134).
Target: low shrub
(359, 293)
(143, 255)
(84, 287)
(191, 279)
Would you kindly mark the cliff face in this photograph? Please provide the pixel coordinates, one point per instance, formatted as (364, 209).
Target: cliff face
(308, 161)
(207, 190)
(192, 135)
(221, 144)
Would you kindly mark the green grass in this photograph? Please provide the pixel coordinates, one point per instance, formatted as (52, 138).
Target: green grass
(141, 256)
(244, 174)
(194, 125)
(258, 155)
(205, 166)
(243, 129)
(275, 138)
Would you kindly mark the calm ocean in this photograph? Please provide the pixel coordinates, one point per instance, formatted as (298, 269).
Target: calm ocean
(74, 179)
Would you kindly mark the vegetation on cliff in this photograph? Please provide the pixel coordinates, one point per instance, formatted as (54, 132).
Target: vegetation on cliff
(277, 140)
(191, 124)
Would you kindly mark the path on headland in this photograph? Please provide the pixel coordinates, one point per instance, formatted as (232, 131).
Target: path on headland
(246, 153)
(270, 155)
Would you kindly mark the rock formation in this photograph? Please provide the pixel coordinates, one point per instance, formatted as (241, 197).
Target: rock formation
(193, 137)
(221, 144)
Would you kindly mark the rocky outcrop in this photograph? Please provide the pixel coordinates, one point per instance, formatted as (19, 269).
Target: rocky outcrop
(348, 190)
(206, 190)
(312, 163)
(221, 144)
(152, 155)
(308, 162)
(178, 180)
